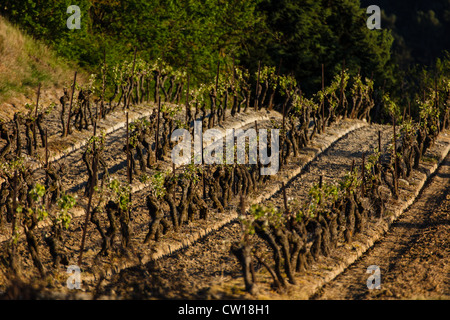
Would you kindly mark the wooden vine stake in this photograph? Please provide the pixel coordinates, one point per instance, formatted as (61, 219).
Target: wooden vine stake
(13, 257)
(131, 80)
(129, 177)
(275, 86)
(36, 116)
(436, 97)
(341, 102)
(37, 101)
(187, 101)
(379, 141)
(129, 171)
(363, 172)
(157, 129)
(174, 176)
(91, 193)
(46, 151)
(257, 135)
(283, 139)
(242, 206)
(323, 101)
(286, 208)
(409, 109)
(257, 87)
(217, 76)
(70, 105)
(395, 162)
(320, 184)
(233, 88)
(46, 163)
(203, 167)
(102, 103)
(203, 180)
(215, 94)
(157, 81)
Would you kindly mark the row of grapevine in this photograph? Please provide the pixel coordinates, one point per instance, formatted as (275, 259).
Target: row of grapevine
(179, 197)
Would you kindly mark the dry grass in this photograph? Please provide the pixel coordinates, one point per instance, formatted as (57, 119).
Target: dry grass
(24, 63)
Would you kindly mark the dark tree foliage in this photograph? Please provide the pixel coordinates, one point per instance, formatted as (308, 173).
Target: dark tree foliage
(420, 29)
(196, 34)
(305, 34)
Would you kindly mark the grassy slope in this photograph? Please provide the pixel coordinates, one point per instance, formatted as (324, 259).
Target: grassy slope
(24, 63)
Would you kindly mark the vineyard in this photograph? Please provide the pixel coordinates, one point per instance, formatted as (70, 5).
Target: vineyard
(90, 181)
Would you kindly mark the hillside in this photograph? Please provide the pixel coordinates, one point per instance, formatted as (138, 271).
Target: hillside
(220, 150)
(24, 63)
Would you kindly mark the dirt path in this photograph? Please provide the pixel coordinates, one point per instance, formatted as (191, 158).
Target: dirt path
(413, 256)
